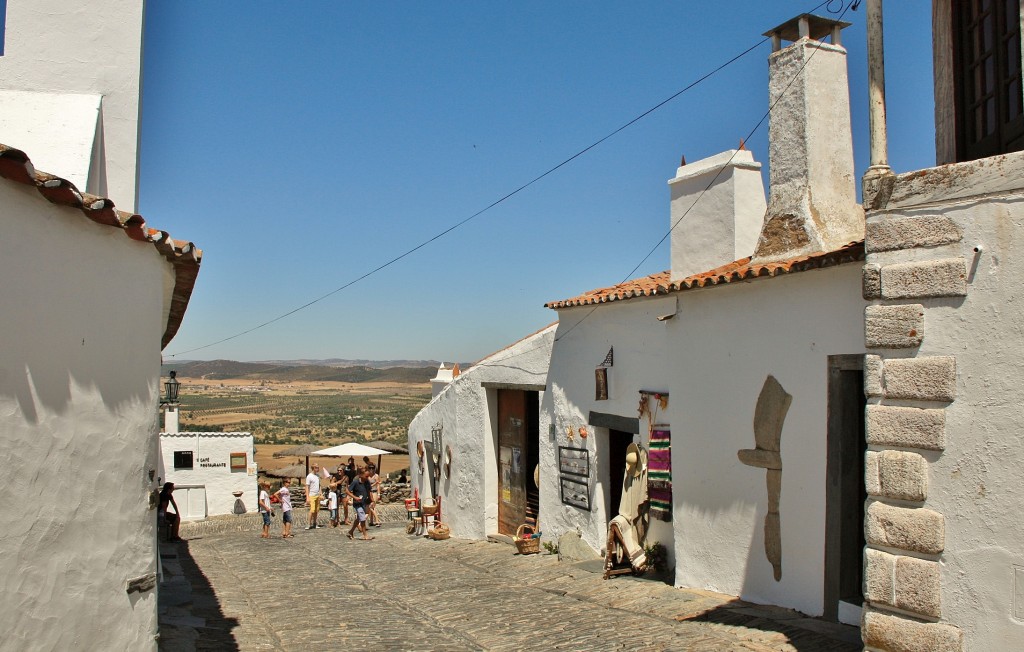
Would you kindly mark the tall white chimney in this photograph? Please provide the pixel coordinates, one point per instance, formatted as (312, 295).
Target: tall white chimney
(724, 224)
(812, 202)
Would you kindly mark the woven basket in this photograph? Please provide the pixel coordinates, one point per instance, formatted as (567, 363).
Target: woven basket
(440, 532)
(526, 546)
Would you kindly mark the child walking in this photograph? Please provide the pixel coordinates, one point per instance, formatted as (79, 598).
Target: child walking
(266, 509)
(332, 505)
(286, 508)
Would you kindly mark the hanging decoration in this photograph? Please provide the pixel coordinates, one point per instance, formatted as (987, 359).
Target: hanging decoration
(659, 476)
(609, 359)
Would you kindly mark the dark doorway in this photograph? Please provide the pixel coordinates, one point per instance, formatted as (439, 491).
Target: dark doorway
(845, 492)
(618, 442)
(518, 455)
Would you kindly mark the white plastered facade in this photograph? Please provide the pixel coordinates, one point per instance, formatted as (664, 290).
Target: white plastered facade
(207, 489)
(466, 410)
(712, 358)
(83, 318)
(73, 76)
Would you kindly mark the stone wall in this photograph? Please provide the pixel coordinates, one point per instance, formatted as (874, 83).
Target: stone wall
(942, 468)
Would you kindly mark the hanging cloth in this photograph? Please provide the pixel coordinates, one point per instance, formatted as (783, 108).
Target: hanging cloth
(659, 478)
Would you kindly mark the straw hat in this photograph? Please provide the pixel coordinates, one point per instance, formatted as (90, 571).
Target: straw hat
(447, 461)
(633, 460)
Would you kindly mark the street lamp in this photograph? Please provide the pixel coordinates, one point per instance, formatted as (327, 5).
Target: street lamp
(172, 386)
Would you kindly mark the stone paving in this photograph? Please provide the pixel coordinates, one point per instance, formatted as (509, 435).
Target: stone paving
(227, 589)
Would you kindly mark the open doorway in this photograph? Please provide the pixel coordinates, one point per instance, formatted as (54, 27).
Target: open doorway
(618, 442)
(518, 457)
(845, 493)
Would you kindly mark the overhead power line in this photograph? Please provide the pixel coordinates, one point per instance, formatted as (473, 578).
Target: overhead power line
(392, 261)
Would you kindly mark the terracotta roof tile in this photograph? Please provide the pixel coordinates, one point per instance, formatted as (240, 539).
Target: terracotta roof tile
(739, 270)
(16, 166)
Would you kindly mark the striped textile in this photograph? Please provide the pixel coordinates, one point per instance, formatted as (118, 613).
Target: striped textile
(659, 475)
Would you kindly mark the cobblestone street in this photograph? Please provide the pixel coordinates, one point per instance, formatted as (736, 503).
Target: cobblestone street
(226, 589)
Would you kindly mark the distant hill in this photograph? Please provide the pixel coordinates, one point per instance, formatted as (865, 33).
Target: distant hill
(307, 371)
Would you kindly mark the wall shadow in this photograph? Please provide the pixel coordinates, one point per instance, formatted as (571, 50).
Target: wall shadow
(189, 610)
(781, 625)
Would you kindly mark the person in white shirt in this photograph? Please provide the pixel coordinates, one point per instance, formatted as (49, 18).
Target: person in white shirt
(285, 495)
(332, 504)
(313, 495)
(266, 509)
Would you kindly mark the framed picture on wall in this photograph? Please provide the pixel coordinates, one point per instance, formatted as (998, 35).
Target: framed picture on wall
(601, 384)
(574, 461)
(239, 461)
(575, 492)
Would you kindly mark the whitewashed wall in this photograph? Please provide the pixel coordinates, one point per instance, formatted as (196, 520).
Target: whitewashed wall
(713, 358)
(82, 320)
(977, 482)
(728, 340)
(211, 468)
(467, 411)
(54, 48)
(640, 362)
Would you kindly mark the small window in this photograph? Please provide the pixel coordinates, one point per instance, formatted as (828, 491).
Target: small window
(239, 461)
(989, 96)
(182, 459)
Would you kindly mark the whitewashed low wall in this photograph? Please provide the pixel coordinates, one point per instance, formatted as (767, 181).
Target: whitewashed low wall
(211, 471)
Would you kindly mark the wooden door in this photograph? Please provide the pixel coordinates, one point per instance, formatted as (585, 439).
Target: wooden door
(512, 460)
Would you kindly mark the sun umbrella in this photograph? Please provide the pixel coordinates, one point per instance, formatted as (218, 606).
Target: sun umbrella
(354, 450)
(300, 450)
(293, 471)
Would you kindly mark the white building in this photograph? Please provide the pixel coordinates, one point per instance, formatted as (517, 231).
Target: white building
(91, 295)
(208, 469)
(482, 429)
(445, 375)
(945, 559)
(78, 387)
(749, 342)
(69, 91)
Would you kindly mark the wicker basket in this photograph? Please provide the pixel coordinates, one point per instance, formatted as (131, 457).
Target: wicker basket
(526, 546)
(439, 532)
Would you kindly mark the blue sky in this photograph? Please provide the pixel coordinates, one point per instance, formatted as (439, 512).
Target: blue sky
(301, 145)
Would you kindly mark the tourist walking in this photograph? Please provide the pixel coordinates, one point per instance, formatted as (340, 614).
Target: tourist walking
(266, 509)
(359, 492)
(285, 495)
(313, 495)
(164, 516)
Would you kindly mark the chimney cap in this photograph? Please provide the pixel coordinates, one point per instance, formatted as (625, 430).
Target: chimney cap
(817, 27)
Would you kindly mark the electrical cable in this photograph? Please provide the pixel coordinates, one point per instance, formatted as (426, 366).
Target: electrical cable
(725, 165)
(494, 203)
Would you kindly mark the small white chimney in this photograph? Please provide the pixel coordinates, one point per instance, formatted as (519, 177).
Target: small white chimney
(724, 224)
(171, 417)
(812, 202)
(444, 376)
